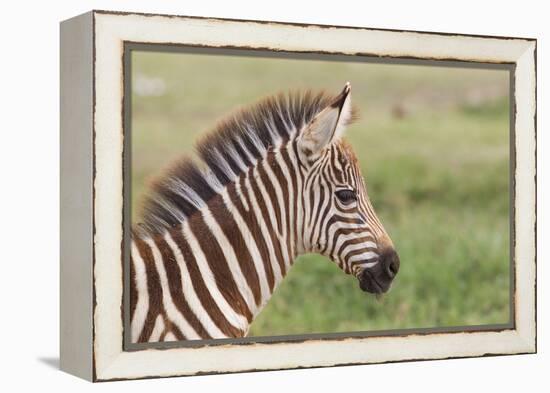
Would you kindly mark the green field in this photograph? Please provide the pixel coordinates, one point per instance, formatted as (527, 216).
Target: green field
(433, 147)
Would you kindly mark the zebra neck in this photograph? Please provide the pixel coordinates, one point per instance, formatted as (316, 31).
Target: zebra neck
(211, 275)
(248, 236)
(242, 246)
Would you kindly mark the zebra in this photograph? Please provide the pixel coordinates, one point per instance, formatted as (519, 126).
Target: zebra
(219, 232)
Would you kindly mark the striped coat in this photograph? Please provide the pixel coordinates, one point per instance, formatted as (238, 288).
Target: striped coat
(218, 235)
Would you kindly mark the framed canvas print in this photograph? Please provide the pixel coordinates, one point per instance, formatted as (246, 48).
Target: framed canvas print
(244, 195)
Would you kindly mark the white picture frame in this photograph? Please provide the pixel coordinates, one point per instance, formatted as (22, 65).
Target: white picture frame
(92, 195)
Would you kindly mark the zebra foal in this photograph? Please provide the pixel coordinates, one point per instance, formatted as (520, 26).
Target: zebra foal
(271, 182)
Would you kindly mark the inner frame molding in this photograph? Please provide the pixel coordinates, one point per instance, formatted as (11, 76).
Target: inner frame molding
(93, 66)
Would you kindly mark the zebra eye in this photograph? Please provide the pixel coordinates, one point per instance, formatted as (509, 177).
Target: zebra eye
(346, 196)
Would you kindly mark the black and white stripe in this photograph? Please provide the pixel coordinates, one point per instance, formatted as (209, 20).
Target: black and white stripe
(220, 234)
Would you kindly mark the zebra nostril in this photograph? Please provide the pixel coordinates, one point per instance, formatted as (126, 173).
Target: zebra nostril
(391, 263)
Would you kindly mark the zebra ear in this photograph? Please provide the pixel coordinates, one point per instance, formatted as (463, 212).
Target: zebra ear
(327, 126)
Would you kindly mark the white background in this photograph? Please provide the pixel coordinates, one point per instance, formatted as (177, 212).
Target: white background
(29, 182)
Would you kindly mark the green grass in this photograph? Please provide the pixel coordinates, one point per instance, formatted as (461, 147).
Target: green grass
(433, 146)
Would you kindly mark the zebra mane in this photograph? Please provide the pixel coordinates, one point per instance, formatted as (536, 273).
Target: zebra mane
(234, 145)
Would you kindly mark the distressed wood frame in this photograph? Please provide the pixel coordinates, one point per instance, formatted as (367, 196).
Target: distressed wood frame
(92, 195)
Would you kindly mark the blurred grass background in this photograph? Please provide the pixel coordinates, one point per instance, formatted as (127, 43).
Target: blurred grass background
(434, 149)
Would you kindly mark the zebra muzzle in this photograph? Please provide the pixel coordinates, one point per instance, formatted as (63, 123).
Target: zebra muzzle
(378, 278)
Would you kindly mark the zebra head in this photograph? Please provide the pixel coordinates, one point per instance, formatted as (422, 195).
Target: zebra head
(339, 220)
